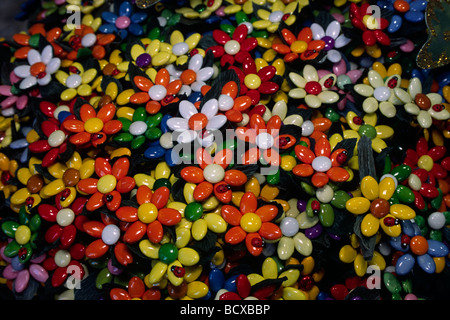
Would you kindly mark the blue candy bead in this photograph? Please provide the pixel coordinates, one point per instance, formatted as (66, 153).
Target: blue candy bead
(216, 280)
(404, 264)
(437, 248)
(125, 9)
(396, 24)
(154, 152)
(426, 262)
(109, 17)
(414, 16)
(230, 284)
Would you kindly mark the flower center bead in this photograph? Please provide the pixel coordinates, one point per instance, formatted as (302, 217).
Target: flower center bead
(106, 184)
(144, 60)
(321, 164)
(313, 87)
(250, 222)
(379, 208)
(264, 141)
(37, 68)
(368, 131)
(110, 234)
(425, 162)
(198, 121)
(232, 47)
(123, 22)
(252, 81)
(93, 125)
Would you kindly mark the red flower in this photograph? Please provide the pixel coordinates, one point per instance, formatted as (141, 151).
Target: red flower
(363, 19)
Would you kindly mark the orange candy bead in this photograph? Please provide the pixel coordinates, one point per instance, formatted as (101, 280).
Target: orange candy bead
(192, 174)
(155, 231)
(135, 232)
(96, 249)
(338, 174)
(127, 214)
(136, 287)
(203, 191)
(188, 76)
(418, 245)
(160, 197)
(303, 170)
(249, 203)
(93, 228)
(235, 178)
(144, 194)
(231, 89)
(169, 216)
(222, 192)
(231, 214)
(267, 212)
(235, 235)
(319, 179)
(198, 121)
(270, 231)
(304, 154)
(119, 294)
(401, 6)
(123, 254)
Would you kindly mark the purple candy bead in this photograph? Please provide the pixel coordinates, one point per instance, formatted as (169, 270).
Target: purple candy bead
(301, 205)
(329, 43)
(314, 232)
(144, 60)
(114, 270)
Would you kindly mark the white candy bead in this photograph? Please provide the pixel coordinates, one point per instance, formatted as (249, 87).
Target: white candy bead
(321, 164)
(436, 220)
(65, 217)
(73, 81)
(289, 226)
(157, 92)
(264, 141)
(137, 128)
(180, 48)
(110, 234)
(213, 173)
(62, 258)
(232, 47)
(56, 138)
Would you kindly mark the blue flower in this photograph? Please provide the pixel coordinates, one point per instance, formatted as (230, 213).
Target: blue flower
(123, 22)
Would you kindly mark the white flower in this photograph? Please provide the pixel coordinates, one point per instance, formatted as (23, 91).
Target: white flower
(39, 69)
(332, 38)
(197, 125)
(315, 91)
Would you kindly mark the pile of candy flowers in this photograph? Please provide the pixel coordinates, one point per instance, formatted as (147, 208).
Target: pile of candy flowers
(226, 150)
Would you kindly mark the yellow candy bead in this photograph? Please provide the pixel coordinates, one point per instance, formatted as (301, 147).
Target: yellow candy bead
(53, 188)
(402, 212)
(188, 192)
(183, 237)
(299, 46)
(290, 293)
(158, 270)
(124, 98)
(125, 112)
(347, 254)
(250, 222)
(269, 268)
(199, 229)
(112, 90)
(87, 168)
(147, 212)
(280, 66)
(369, 187)
(288, 163)
(197, 290)
(425, 162)
(292, 276)
(252, 185)
(252, 81)
(269, 55)
(360, 265)
(215, 223)
(192, 273)
(161, 58)
(370, 225)
(357, 205)
(308, 265)
(188, 256)
(378, 260)
(93, 125)
(254, 278)
(22, 234)
(106, 184)
(386, 188)
(440, 264)
(149, 249)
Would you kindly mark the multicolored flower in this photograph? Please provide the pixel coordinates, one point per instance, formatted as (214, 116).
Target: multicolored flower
(124, 22)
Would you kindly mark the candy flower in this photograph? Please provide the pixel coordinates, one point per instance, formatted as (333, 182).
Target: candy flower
(425, 106)
(280, 12)
(21, 273)
(372, 27)
(413, 248)
(368, 127)
(193, 124)
(88, 7)
(234, 48)
(94, 126)
(123, 22)
(332, 37)
(107, 190)
(135, 291)
(251, 223)
(375, 198)
(316, 91)
(322, 165)
(40, 67)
